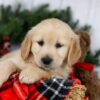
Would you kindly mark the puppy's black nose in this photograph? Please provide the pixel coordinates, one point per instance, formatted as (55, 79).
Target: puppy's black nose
(46, 60)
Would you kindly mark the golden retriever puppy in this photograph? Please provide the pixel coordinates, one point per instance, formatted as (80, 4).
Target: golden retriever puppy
(48, 50)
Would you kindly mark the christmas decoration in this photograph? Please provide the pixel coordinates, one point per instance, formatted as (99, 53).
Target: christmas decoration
(5, 45)
(16, 22)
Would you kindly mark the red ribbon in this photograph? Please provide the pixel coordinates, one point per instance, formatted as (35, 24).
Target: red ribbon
(85, 66)
(82, 65)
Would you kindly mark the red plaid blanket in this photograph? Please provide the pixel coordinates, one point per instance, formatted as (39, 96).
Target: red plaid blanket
(52, 89)
(44, 89)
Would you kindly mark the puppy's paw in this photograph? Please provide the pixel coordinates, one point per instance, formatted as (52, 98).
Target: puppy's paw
(3, 78)
(6, 69)
(1, 82)
(4, 75)
(28, 76)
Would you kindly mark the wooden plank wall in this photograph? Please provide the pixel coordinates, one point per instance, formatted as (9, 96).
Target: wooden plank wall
(87, 11)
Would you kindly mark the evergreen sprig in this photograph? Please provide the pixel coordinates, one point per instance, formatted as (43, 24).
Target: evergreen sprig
(16, 22)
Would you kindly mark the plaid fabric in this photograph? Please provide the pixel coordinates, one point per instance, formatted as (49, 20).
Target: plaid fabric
(44, 89)
(52, 89)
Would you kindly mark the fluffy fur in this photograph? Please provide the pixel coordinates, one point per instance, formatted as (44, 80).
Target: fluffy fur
(51, 38)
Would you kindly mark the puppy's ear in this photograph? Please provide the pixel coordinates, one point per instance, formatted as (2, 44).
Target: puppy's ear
(74, 51)
(26, 47)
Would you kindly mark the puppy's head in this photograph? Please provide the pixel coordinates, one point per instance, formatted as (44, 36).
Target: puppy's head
(52, 43)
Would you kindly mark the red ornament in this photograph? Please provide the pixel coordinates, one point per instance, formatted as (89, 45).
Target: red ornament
(6, 38)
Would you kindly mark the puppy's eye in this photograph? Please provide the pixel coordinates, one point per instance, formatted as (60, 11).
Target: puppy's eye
(41, 42)
(58, 45)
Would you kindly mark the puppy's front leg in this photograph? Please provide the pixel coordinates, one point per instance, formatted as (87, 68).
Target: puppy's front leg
(32, 74)
(6, 69)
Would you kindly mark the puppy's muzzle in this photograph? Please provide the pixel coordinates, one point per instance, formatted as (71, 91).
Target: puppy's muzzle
(46, 60)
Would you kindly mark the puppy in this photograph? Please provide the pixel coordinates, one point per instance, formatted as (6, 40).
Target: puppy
(48, 50)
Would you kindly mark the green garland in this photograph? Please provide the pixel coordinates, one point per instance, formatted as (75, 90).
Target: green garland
(16, 23)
